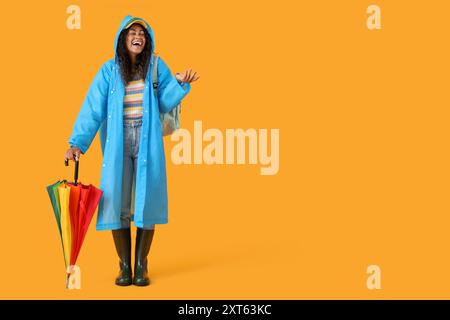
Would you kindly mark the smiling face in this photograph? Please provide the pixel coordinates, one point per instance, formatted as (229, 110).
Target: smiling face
(135, 39)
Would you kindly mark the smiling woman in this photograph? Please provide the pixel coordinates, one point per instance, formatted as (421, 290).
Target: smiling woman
(127, 114)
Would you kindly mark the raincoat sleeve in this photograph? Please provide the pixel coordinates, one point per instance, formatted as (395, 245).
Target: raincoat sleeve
(93, 111)
(170, 91)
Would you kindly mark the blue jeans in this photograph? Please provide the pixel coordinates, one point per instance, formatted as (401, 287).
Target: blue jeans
(131, 138)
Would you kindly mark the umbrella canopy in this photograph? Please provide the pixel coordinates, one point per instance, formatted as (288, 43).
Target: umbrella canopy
(66, 234)
(54, 198)
(85, 201)
(74, 205)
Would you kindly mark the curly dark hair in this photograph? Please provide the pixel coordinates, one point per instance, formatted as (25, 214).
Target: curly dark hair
(139, 70)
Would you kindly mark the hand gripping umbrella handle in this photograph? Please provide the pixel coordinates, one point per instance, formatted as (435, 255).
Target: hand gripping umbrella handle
(76, 169)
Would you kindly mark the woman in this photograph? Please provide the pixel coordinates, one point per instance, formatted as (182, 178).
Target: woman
(123, 106)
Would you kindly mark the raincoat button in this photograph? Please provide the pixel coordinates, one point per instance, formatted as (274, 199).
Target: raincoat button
(104, 165)
(109, 117)
(145, 160)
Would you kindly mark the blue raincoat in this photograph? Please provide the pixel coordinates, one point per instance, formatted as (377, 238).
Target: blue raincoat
(102, 110)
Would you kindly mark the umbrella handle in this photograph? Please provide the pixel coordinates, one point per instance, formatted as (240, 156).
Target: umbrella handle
(66, 162)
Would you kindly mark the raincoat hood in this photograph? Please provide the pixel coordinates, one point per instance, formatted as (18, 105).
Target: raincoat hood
(127, 20)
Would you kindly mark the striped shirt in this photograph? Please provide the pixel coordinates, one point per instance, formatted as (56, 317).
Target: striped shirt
(132, 101)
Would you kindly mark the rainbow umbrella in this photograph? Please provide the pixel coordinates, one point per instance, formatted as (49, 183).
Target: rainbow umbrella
(74, 205)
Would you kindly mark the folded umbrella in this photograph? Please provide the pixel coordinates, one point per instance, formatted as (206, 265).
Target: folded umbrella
(74, 205)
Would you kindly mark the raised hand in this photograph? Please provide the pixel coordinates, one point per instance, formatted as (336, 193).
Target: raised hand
(187, 76)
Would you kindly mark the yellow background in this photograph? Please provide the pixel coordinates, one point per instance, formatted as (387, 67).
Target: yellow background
(363, 118)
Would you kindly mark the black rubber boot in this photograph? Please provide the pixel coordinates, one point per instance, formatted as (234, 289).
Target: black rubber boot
(122, 240)
(143, 242)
